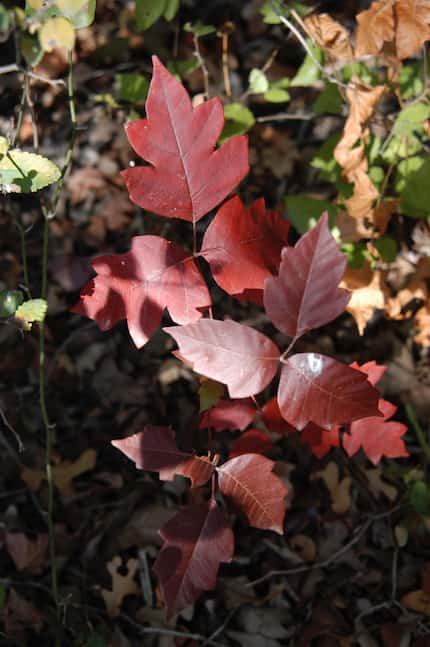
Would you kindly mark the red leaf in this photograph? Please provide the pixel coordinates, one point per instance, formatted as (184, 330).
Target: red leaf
(306, 295)
(155, 449)
(243, 246)
(197, 539)
(227, 415)
(253, 441)
(273, 419)
(186, 178)
(248, 480)
(236, 355)
(137, 285)
(377, 436)
(319, 389)
(320, 441)
(373, 371)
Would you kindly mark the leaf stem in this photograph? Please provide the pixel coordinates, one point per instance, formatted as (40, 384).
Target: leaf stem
(419, 432)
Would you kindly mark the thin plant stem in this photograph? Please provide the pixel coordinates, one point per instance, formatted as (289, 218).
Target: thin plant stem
(202, 64)
(419, 432)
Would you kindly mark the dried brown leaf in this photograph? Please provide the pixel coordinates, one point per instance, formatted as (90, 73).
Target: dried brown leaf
(122, 585)
(375, 27)
(334, 39)
(412, 26)
(365, 297)
(339, 488)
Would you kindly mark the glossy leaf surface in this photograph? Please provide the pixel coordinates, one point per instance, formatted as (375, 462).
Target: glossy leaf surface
(186, 177)
(155, 449)
(305, 294)
(319, 389)
(249, 482)
(138, 285)
(236, 355)
(196, 540)
(243, 246)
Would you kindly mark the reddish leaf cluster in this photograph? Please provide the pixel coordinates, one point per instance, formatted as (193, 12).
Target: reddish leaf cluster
(247, 250)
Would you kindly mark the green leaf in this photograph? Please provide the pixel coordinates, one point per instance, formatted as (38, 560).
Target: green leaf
(80, 12)
(132, 87)
(171, 9)
(304, 212)
(210, 392)
(257, 80)
(238, 121)
(309, 72)
(412, 183)
(356, 254)
(199, 29)
(57, 32)
(377, 175)
(399, 147)
(361, 70)
(31, 49)
(182, 68)
(269, 15)
(22, 172)
(31, 311)
(277, 95)
(411, 118)
(411, 80)
(148, 12)
(387, 247)
(324, 159)
(4, 20)
(330, 100)
(419, 497)
(10, 300)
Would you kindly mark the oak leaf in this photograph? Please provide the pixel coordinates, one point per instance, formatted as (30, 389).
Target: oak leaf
(305, 294)
(186, 177)
(155, 449)
(249, 482)
(197, 540)
(137, 286)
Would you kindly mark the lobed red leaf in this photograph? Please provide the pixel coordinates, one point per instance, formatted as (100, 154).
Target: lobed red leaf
(236, 355)
(243, 247)
(305, 294)
(155, 449)
(249, 482)
(186, 177)
(138, 285)
(320, 441)
(197, 540)
(319, 389)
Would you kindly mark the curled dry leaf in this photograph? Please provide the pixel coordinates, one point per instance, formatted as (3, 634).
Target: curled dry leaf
(369, 292)
(412, 26)
(249, 482)
(375, 27)
(334, 39)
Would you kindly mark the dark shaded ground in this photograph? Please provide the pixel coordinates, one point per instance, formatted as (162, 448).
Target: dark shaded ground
(349, 560)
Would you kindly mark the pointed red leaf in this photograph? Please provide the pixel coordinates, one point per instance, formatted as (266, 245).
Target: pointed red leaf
(377, 436)
(319, 389)
(137, 285)
(249, 482)
(228, 415)
(243, 246)
(273, 419)
(253, 441)
(186, 177)
(373, 370)
(236, 355)
(306, 295)
(320, 441)
(155, 449)
(197, 539)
